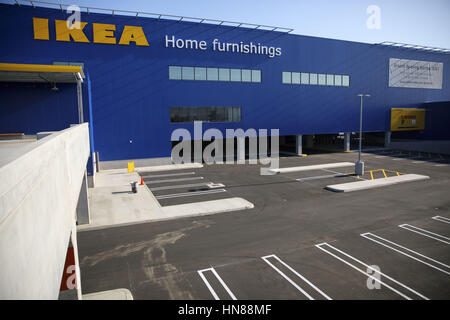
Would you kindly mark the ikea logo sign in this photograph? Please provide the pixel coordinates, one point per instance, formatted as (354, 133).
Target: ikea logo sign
(102, 33)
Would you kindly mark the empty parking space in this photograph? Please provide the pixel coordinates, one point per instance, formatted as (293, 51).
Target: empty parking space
(268, 278)
(441, 219)
(408, 252)
(371, 271)
(421, 236)
(420, 271)
(173, 188)
(297, 280)
(254, 279)
(426, 233)
(215, 284)
(339, 275)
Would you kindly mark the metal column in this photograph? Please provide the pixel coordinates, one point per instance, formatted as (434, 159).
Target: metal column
(80, 101)
(298, 144)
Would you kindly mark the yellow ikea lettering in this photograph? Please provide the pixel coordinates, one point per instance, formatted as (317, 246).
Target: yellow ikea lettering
(40, 28)
(135, 34)
(104, 33)
(63, 33)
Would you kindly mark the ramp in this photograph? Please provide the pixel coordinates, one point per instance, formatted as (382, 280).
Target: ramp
(376, 183)
(313, 167)
(206, 207)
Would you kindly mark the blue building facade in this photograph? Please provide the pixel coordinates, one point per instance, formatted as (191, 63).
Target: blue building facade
(130, 87)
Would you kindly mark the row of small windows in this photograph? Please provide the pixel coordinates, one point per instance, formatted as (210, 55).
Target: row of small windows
(214, 74)
(316, 79)
(206, 114)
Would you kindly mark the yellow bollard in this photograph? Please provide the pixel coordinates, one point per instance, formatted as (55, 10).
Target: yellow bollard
(130, 166)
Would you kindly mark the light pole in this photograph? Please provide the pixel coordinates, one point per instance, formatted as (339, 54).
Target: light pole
(359, 165)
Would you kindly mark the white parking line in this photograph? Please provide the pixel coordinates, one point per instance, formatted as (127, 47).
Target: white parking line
(380, 157)
(425, 233)
(320, 246)
(200, 272)
(173, 180)
(265, 258)
(368, 236)
(339, 173)
(323, 177)
(441, 219)
(178, 186)
(442, 165)
(187, 194)
(169, 175)
(418, 162)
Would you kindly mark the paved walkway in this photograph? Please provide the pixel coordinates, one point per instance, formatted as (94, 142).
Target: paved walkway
(112, 202)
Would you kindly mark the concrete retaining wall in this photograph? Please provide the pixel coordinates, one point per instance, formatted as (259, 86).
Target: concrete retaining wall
(431, 146)
(38, 196)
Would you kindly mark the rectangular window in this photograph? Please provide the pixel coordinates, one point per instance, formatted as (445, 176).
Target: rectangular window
(322, 79)
(237, 114)
(187, 73)
(315, 79)
(246, 75)
(256, 75)
(206, 114)
(235, 74)
(212, 74)
(346, 81)
(224, 74)
(200, 73)
(305, 78)
(295, 77)
(174, 73)
(286, 77)
(330, 80)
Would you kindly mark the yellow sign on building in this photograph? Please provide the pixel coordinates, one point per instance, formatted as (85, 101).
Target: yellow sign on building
(405, 119)
(130, 166)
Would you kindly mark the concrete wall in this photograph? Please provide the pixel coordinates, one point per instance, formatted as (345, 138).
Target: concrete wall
(38, 197)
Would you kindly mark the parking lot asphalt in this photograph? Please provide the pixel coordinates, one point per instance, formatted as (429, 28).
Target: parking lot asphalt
(299, 242)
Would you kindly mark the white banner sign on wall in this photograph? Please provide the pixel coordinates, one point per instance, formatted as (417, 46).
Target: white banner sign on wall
(415, 74)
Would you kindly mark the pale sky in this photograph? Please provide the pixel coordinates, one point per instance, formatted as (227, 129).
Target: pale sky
(422, 22)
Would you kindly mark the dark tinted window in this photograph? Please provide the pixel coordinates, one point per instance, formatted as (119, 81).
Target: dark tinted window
(206, 114)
